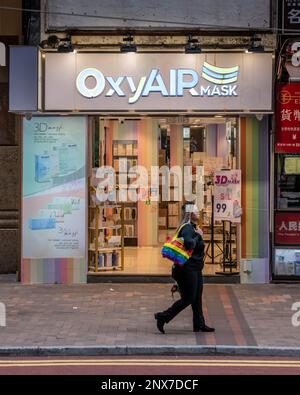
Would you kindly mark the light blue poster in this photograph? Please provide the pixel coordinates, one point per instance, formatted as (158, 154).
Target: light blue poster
(54, 187)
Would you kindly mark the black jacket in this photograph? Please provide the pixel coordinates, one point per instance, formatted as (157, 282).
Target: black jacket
(192, 240)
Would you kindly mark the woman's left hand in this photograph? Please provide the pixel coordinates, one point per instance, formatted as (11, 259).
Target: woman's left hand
(199, 231)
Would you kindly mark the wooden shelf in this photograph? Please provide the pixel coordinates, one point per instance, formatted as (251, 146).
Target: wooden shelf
(104, 206)
(106, 249)
(103, 269)
(106, 227)
(126, 156)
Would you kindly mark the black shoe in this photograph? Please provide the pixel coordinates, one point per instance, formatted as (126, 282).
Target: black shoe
(159, 323)
(204, 328)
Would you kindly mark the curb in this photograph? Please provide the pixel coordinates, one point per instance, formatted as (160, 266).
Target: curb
(150, 351)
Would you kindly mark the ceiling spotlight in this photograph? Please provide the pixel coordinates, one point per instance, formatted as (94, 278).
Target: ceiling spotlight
(129, 45)
(65, 47)
(192, 45)
(255, 46)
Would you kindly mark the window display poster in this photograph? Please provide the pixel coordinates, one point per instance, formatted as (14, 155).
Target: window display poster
(54, 187)
(292, 165)
(287, 228)
(227, 195)
(288, 118)
(287, 262)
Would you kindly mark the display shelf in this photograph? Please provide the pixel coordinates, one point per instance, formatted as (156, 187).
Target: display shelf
(127, 150)
(109, 257)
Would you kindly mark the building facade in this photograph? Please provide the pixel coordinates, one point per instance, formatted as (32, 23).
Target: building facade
(191, 95)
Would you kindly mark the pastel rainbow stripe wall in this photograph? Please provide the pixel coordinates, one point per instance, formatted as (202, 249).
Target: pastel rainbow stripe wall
(53, 271)
(148, 156)
(145, 131)
(255, 187)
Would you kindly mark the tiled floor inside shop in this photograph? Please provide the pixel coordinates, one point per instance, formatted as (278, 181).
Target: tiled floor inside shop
(148, 260)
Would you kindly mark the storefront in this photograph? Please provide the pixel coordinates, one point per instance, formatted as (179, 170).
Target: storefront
(286, 250)
(208, 112)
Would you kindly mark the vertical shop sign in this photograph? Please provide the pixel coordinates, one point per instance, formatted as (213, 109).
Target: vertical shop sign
(287, 228)
(54, 187)
(288, 118)
(227, 195)
(291, 16)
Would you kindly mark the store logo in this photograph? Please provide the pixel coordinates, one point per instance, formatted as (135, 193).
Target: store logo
(296, 316)
(2, 315)
(179, 81)
(220, 75)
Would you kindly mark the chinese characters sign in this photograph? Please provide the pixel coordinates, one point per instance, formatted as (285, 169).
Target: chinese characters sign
(287, 228)
(288, 118)
(291, 15)
(227, 192)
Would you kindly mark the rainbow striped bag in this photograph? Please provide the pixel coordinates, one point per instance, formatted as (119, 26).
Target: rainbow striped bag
(174, 250)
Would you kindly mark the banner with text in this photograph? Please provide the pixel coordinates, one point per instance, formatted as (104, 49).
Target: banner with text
(288, 118)
(227, 195)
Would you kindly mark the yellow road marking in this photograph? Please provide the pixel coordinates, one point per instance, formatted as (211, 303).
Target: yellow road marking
(286, 364)
(169, 361)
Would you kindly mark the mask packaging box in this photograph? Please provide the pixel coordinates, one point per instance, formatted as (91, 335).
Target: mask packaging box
(100, 261)
(108, 260)
(280, 266)
(43, 168)
(72, 157)
(55, 162)
(66, 207)
(63, 159)
(115, 259)
(74, 202)
(290, 268)
(57, 214)
(42, 223)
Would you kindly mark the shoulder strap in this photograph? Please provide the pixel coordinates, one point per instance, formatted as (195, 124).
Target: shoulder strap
(179, 229)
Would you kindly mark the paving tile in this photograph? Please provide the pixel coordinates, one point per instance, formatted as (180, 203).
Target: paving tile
(242, 315)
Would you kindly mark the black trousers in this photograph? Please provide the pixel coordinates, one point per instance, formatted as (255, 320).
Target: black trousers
(190, 282)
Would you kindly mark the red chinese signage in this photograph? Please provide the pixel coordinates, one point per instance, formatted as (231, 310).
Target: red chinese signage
(288, 118)
(287, 228)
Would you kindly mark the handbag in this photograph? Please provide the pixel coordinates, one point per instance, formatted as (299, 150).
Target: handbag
(174, 250)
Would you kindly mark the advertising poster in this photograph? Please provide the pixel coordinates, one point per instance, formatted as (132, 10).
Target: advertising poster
(287, 228)
(54, 187)
(227, 195)
(288, 118)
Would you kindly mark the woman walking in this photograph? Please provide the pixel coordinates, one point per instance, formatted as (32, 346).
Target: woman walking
(189, 276)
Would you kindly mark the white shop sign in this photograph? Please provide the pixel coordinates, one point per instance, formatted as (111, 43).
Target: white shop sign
(201, 82)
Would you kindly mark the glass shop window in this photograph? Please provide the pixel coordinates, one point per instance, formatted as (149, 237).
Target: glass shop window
(288, 181)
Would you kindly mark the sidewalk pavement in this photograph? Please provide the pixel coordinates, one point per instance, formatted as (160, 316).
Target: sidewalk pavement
(118, 319)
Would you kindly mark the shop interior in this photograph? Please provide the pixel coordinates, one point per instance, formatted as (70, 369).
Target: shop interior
(126, 237)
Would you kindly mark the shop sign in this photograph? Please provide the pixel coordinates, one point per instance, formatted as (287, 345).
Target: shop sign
(223, 82)
(222, 79)
(288, 118)
(227, 195)
(54, 187)
(287, 228)
(291, 16)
